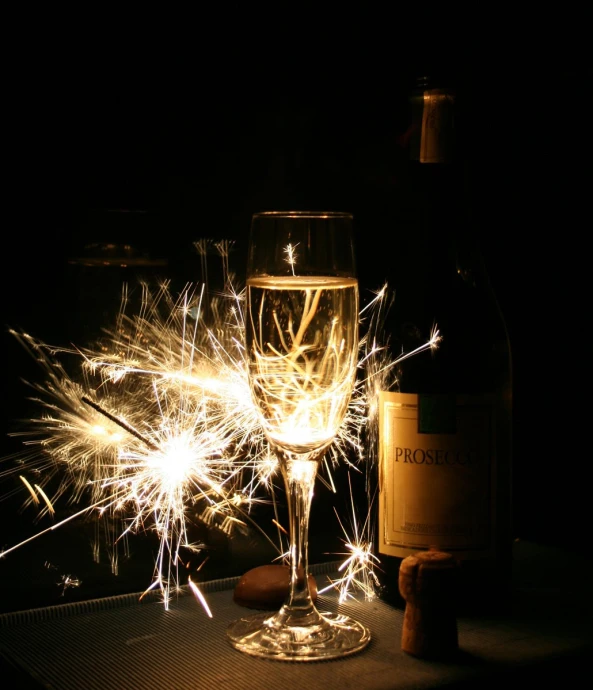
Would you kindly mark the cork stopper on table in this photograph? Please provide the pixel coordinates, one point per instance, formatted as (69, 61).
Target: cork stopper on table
(428, 584)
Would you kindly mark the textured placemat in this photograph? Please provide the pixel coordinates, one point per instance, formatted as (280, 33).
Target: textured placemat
(119, 643)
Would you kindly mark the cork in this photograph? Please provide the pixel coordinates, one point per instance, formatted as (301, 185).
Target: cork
(428, 584)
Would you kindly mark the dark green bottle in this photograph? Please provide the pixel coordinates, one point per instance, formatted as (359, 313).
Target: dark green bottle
(445, 428)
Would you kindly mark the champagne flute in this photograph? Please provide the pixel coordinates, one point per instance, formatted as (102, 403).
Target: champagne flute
(302, 347)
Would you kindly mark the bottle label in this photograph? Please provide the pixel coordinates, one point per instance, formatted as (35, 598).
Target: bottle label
(435, 475)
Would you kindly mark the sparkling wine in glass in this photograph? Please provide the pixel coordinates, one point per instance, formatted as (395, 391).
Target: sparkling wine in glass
(302, 347)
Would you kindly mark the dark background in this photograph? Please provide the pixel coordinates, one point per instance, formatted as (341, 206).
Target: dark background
(158, 153)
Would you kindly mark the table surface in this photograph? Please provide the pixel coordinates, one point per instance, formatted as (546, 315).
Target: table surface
(120, 642)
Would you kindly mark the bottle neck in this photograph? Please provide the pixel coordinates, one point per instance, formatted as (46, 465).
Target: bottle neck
(437, 171)
(440, 237)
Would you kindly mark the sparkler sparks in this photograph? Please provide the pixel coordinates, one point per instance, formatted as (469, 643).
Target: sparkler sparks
(360, 565)
(157, 425)
(69, 582)
(161, 423)
(291, 255)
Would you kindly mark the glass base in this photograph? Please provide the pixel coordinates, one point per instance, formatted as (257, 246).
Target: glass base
(331, 637)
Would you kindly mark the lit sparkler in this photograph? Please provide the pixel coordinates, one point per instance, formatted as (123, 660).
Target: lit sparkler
(159, 421)
(162, 424)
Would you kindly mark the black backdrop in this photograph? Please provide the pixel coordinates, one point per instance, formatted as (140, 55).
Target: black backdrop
(160, 154)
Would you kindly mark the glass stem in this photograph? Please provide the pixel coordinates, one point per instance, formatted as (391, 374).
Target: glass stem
(299, 478)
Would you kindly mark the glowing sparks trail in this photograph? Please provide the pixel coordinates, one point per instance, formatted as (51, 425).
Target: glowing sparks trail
(291, 255)
(198, 594)
(157, 427)
(360, 565)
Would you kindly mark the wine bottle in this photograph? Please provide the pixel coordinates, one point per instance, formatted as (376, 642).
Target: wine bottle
(445, 436)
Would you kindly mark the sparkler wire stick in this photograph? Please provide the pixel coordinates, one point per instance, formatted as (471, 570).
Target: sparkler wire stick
(120, 422)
